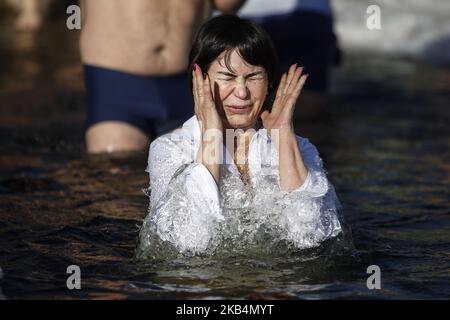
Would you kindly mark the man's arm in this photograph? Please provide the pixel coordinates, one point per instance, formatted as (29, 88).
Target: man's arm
(228, 6)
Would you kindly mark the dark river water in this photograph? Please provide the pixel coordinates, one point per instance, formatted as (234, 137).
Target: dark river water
(384, 140)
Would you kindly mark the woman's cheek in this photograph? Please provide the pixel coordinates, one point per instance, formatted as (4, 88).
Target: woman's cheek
(258, 90)
(224, 90)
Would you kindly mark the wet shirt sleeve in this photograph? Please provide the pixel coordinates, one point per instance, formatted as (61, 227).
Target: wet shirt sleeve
(184, 200)
(308, 215)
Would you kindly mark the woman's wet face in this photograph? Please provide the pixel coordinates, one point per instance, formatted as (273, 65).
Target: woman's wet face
(239, 91)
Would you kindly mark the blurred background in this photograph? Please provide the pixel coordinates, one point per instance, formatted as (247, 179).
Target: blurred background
(384, 138)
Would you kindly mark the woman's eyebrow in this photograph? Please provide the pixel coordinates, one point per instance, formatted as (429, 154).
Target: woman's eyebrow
(257, 73)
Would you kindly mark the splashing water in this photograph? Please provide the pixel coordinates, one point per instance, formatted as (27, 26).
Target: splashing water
(252, 226)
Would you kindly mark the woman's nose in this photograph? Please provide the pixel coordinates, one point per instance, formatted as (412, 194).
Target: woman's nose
(241, 91)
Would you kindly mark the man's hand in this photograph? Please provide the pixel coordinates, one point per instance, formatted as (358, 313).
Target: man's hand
(228, 6)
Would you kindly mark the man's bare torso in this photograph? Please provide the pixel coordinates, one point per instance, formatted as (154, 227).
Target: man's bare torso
(150, 37)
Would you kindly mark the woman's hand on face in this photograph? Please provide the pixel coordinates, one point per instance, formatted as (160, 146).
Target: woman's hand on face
(205, 108)
(209, 121)
(281, 115)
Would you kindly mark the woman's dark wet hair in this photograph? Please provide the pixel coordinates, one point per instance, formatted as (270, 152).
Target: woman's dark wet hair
(227, 32)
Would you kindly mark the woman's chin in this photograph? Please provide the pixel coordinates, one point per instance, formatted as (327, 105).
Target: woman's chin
(240, 124)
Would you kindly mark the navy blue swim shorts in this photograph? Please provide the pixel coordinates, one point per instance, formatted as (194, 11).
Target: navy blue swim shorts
(154, 104)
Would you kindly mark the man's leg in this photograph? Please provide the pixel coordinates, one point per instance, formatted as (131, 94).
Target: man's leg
(115, 136)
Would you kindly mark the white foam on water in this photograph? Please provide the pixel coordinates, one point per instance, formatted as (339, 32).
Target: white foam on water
(253, 224)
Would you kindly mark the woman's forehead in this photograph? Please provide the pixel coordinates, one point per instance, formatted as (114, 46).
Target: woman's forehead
(235, 61)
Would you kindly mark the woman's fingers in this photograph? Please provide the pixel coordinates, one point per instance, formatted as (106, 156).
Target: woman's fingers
(276, 107)
(204, 93)
(294, 81)
(194, 88)
(198, 88)
(264, 115)
(203, 97)
(287, 83)
(281, 85)
(207, 95)
(199, 79)
(293, 90)
(285, 94)
(290, 76)
(298, 88)
(288, 91)
(293, 96)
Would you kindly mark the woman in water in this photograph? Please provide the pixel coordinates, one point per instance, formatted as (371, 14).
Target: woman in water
(236, 174)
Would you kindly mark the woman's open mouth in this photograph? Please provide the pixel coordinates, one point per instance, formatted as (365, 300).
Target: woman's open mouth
(238, 109)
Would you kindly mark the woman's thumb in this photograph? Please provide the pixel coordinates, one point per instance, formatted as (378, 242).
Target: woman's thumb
(264, 115)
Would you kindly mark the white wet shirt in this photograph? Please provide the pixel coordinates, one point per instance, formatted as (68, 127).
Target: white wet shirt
(188, 211)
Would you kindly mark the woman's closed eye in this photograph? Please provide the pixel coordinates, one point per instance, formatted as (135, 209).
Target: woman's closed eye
(226, 78)
(256, 78)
